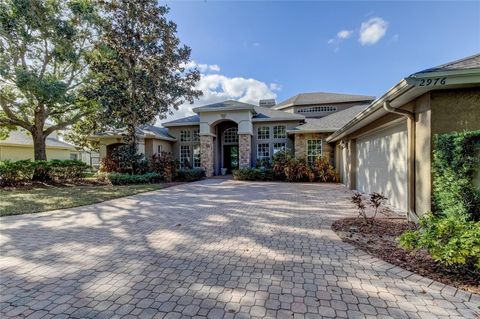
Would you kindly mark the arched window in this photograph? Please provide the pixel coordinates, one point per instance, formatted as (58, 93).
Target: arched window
(231, 135)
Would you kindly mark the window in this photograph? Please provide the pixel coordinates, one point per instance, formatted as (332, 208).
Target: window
(314, 149)
(185, 156)
(263, 151)
(196, 156)
(279, 147)
(185, 136)
(196, 135)
(314, 109)
(73, 156)
(159, 149)
(263, 133)
(279, 132)
(231, 135)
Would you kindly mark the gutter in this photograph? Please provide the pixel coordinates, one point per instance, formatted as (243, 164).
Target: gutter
(411, 157)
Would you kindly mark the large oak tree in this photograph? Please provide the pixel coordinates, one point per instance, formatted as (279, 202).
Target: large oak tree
(43, 45)
(139, 66)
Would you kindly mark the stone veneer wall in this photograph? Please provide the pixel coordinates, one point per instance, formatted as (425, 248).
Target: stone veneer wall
(206, 154)
(244, 150)
(301, 145)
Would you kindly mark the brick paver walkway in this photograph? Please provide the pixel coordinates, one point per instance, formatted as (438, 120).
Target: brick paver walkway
(215, 248)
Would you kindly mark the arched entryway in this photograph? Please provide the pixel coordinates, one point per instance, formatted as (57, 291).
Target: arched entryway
(227, 149)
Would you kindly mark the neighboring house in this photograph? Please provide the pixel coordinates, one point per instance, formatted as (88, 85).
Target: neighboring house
(381, 145)
(19, 146)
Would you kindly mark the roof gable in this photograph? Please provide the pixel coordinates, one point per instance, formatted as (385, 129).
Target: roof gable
(322, 98)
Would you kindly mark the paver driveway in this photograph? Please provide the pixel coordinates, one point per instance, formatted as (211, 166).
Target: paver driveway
(213, 248)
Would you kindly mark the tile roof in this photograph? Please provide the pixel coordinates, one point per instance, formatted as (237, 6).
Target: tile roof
(230, 104)
(194, 119)
(322, 98)
(471, 62)
(21, 137)
(332, 122)
(158, 132)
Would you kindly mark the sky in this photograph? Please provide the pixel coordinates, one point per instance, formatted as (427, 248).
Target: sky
(252, 50)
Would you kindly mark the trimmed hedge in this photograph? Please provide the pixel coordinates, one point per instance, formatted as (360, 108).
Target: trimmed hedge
(128, 179)
(189, 175)
(253, 174)
(14, 173)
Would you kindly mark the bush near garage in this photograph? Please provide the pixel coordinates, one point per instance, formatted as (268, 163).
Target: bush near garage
(451, 233)
(14, 173)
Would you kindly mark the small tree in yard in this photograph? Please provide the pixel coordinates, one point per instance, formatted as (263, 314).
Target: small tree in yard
(357, 200)
(376, 200)
(43, 45)
(138, 67)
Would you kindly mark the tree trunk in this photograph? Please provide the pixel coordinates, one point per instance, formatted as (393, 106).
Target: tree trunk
(39, 147)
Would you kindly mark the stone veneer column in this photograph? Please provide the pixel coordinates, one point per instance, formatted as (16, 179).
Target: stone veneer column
(206, 154)
(244, 150)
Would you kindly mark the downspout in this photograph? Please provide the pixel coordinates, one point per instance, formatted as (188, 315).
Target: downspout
(410, 156)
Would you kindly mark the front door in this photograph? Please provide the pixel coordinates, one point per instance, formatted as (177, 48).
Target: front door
(230, 157)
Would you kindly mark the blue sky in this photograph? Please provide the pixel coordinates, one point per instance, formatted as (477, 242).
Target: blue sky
(249, 50)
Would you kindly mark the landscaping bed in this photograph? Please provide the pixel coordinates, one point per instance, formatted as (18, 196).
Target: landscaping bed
(379, 238)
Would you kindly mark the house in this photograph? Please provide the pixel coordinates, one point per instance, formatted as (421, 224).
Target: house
(19, 146)
(377, 145)
(387, 147)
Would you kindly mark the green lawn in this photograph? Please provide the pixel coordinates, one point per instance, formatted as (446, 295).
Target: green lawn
(24, 201)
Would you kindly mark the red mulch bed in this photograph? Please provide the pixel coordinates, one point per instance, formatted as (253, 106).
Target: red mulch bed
(379, 238)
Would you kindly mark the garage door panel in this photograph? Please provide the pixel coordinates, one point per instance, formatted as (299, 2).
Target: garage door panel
(382, 164)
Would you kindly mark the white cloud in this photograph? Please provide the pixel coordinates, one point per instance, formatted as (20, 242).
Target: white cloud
(218, 87)
(344, 34)
(372, 31)
(203, 68)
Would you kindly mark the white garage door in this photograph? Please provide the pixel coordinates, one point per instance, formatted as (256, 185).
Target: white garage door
(382, 164)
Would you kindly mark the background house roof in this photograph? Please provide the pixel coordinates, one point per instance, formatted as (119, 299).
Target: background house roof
(321, 98)
(189, 120)
(267, 114)
(330, 123)
(22, 138)
(470, 62)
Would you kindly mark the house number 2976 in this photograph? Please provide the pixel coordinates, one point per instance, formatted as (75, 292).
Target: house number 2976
(431, 82)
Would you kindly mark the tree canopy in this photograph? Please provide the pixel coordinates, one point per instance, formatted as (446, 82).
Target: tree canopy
(138, 67)
(43, 46)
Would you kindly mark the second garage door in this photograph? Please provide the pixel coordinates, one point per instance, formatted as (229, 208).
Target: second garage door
(382, 164)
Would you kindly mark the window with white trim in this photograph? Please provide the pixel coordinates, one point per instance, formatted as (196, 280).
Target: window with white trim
(230, 135)
(74, 156)
(263, 151)
(314, 149)
(279, 131)
(263, 133)
(196, 135)
(315, 109)
(159, 149)
(185, 136)
(196, 156)
(185, 156)
(279, 147)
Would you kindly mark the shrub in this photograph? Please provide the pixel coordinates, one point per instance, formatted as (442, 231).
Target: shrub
(324, 171)
(376, 200)
(127, 179)
(66, 170)
(450, 239)
(13, 173)
(189, 174)
(357, 200)
(124, 159)
(164, 165)
(455, 161)
(16, 173)
(253, 174)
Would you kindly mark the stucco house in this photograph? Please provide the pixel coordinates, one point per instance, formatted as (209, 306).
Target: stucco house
(377, 145)
(19, 146)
